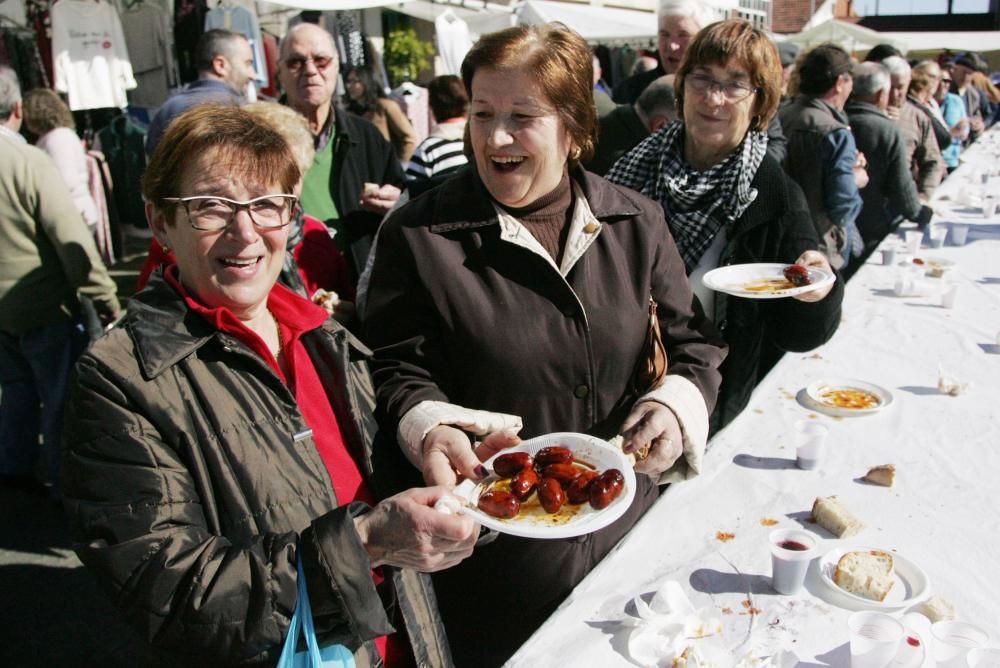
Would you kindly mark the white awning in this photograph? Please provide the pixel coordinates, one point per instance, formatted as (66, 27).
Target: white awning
(333, 5)
(982, 41)
(848, 35)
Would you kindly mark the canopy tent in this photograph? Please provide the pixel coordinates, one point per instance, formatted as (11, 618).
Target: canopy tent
(851, 36)
(604, 25)
(334, 5)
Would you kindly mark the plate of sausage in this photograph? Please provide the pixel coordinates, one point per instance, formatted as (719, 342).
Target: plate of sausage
(554, 486)
(767, 280)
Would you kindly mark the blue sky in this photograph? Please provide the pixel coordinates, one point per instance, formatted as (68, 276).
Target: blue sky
(868, 7)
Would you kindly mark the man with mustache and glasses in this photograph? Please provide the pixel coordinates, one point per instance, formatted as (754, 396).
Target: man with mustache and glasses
(355, 178)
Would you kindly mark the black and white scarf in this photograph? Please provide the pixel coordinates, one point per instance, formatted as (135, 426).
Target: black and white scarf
(697, 204)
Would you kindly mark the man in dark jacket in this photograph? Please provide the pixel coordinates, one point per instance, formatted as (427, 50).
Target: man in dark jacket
(355, 178)
(225, 67)
(626, 126)
(821, 151)
(891, 194)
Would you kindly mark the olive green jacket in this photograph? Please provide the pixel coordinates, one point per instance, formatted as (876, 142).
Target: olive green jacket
(47, 255)
(192, 482)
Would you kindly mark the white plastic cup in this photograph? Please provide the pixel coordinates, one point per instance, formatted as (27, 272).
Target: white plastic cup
(953, 641)
(989, 206)
(810, 444)
(937, 235)
(949, 295)
(791, 552)
(984, 658)
(889, 256)
(875, 638)
(913, 239)
(959, 234)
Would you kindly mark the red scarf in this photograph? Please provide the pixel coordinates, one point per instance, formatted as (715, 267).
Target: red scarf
(296, 316)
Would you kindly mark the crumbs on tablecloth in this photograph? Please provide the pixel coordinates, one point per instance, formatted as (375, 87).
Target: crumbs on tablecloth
(724, 537)
(768, 521)
(727, 611)
(758, 411)
(748, 604)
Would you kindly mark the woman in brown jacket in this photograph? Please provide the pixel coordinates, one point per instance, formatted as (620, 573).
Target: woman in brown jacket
(513, 298)
(223, 432)
(366, 99)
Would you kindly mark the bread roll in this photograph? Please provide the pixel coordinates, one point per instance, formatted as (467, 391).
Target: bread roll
(937, 609)
(867, 574)
(884, 475)
(834, 516)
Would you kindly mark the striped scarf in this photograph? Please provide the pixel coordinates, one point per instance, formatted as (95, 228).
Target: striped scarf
(697, 204)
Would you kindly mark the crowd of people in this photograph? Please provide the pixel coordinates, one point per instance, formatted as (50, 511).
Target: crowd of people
(336, 325)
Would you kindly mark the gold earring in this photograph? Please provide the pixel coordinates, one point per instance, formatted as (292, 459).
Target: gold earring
(165, 247)
(575, 153)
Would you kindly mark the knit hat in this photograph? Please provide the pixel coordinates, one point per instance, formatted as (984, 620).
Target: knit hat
(788, 52)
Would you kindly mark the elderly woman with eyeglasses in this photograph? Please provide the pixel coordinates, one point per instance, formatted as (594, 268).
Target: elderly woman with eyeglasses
(727, 202)
(223, 432)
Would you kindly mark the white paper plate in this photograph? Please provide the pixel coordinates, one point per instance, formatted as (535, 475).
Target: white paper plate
(739, 279)
(912, 584)
(816, 390)
(601, 454)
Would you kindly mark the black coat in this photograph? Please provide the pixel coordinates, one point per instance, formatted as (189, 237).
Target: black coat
(776, 227)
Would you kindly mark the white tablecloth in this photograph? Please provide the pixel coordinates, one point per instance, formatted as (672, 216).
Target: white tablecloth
(943, 512)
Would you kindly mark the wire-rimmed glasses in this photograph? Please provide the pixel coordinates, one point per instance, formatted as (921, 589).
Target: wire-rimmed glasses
(732, 91)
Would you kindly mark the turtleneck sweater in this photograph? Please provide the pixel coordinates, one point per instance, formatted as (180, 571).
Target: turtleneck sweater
(547, 218)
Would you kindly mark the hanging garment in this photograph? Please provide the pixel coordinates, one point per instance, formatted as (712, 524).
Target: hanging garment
(150, 48)
(453, 41)
(415, 103)
(102, 227)
(89, 54)
(122, 143)
(189, 21)
(243, 21)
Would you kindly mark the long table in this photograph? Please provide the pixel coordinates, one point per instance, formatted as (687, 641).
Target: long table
(942, 514)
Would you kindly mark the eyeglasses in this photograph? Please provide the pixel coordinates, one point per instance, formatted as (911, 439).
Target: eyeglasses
(296, 63)
(732, 91)
(948, 80)
(209, 213)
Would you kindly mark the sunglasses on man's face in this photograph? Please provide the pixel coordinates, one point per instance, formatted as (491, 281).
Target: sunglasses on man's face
(296, 63)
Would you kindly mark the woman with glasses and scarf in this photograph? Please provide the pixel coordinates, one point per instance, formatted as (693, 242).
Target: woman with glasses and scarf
(219, 439)
(727, 202)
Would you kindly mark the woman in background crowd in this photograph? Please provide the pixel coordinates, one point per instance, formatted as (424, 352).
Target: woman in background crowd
(47, 117)
(366, 98)
(443, 152)
(223, 432)
(514, 298)
(728, 202)
(954, 114)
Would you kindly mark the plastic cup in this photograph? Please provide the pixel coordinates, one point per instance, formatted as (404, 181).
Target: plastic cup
(913, 239)
(791, 552)
(953, 641)
(875, 638)
(989, 206)
(984, 658)
(949, 295)
(937, 235)
(889, 256)
(959, 234)
(810, 444)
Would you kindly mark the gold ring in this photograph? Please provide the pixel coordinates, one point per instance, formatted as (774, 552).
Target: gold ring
(641, 453)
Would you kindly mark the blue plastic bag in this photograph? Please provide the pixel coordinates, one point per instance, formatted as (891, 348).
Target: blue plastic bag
(333, 656)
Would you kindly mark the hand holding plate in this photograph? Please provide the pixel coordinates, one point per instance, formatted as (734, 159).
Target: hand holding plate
(816, 260)
(652, 433)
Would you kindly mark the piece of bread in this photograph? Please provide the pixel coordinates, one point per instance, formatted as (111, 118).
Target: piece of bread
(832, 515)
(937, 609)
(884, 474)
(867, 574)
